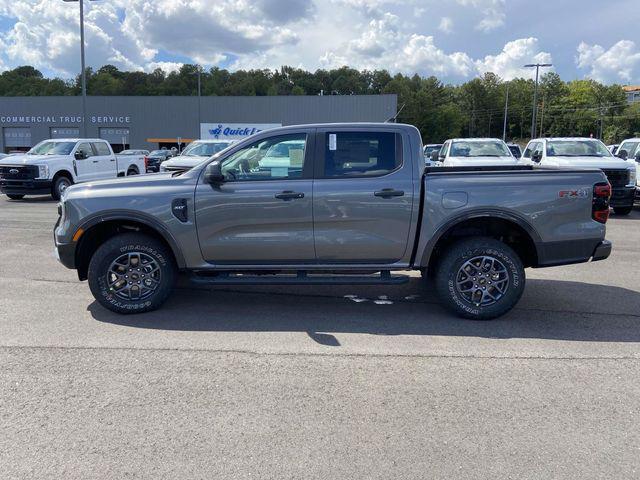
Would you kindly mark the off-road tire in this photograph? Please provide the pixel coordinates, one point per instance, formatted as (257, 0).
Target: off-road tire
(115, 248)
(450, 267)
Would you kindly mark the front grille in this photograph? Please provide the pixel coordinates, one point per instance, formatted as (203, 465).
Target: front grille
(18, 172)
(617, 178)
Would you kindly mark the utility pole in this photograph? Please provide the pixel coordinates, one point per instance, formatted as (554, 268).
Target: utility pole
(83, 74)
(544, 98)
(601, 123)
(506, 111)
(537, 66)
(199, 101)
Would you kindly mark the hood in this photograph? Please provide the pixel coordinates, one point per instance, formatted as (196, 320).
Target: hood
(188, 161)
(587, 162)
(125, 183)
(29, 159)
(480, 161)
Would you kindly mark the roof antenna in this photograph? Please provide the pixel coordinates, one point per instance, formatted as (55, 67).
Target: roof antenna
(393, 119)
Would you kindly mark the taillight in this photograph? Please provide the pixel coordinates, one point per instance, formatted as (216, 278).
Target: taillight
(146, 162)
(601, 196)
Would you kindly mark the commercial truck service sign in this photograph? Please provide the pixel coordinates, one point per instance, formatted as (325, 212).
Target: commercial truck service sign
(232, 131)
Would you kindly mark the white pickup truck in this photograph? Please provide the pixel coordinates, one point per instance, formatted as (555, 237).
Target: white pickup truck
(571, 153)
(53, 165)
(474, 152)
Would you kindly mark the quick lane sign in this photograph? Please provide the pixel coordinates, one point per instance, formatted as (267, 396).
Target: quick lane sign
(212, 131)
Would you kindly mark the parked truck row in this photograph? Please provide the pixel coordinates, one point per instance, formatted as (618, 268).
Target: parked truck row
(552, 153)
(332, 204)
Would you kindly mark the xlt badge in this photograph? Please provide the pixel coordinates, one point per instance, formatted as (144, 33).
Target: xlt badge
(180, 210)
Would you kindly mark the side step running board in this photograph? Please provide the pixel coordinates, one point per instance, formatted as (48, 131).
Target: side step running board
(302, 278)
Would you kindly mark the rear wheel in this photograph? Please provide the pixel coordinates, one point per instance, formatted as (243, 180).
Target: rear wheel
(13, 196)
(622, 210)
(132, 171)
(480, 278)
(60, 184)
(132, 273)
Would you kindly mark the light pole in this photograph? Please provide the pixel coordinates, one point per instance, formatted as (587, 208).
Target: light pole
(83, 74)
(199, 74)
(506, 111)
(537, 66)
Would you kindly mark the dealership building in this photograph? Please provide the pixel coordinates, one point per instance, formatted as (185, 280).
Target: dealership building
(156, 122)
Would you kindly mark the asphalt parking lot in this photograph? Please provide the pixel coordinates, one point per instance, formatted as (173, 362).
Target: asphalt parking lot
(316, 382)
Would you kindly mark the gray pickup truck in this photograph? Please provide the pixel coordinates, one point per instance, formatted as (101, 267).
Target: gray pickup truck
(332, 204)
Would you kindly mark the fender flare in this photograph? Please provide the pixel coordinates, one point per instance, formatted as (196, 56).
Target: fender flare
(142, 218)
(483, 213)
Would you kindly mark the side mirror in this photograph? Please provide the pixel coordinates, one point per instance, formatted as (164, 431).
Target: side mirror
(80, 156)
(536, 157)
(213, 173)
(435, 155)
(623, 154)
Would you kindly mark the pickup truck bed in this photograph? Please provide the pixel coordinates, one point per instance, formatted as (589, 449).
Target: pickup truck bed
(354, 205)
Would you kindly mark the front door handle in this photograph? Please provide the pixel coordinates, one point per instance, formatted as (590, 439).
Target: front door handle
(289, 195)
(95, 161)
(389, 192)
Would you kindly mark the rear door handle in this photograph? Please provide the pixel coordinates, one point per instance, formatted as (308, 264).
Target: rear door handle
(289, 195)
(95, 161)
(389, 192)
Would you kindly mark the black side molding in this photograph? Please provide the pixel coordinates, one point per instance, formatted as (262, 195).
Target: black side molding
(602, 251)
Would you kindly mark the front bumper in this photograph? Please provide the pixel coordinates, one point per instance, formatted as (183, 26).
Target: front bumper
(65, 252)
(622, 197)
(25, 187)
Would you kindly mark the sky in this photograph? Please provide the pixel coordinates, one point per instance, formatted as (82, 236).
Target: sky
(455, 40)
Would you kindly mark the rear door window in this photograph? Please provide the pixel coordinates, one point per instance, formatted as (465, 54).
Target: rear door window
(361, 154)
(101, 149)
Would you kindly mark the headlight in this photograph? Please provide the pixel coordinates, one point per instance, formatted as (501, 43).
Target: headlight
(632, 176)
(43, 171)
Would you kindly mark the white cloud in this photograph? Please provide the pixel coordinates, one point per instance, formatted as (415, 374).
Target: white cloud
(621, 63)
(492, 12)
(168, 67)
(381, 45)
(508, 63)
(446, 25)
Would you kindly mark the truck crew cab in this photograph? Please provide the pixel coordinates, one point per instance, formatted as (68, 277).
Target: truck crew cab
(343, 204)
(53, 165)
(572, 153)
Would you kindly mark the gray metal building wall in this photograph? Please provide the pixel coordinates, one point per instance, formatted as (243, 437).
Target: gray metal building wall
(172, 117)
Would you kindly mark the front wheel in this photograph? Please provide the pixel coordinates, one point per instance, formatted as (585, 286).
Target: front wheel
(60, 184)
(622, 210)
(480, 278)
(132, 273)
(13, 196)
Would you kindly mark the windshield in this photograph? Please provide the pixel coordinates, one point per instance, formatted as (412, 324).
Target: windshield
(129, 152)
(632, 148)
(281, 150)
(489, 148)
(577, 148)
(205, 149)
(159, 153)
(515, 150)
(431, 148)
(52, 148)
